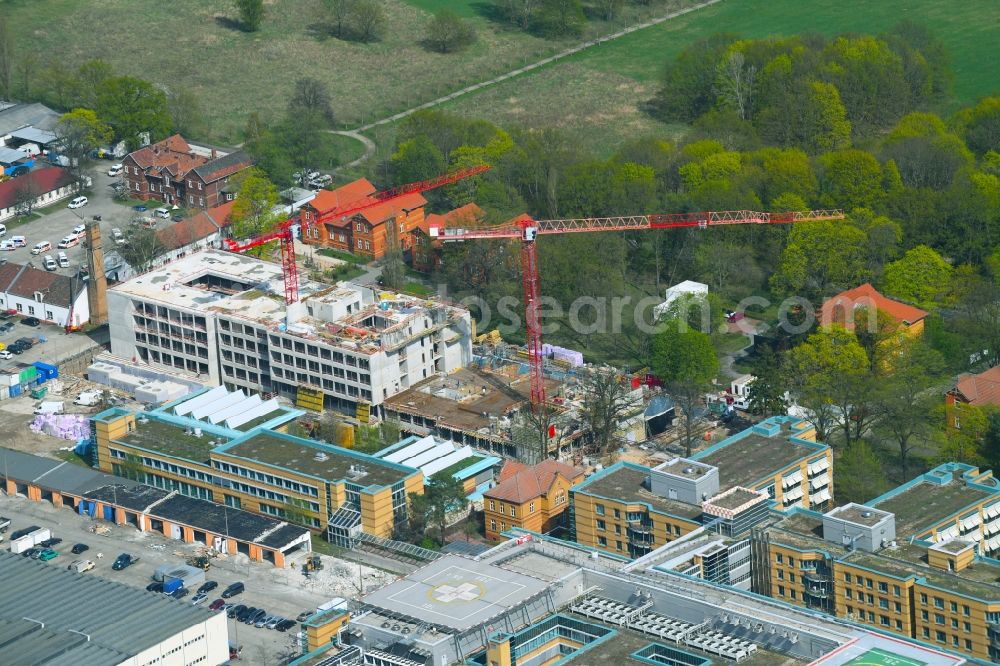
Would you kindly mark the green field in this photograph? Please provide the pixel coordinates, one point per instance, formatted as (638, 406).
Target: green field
(598, 95)
(466, 8)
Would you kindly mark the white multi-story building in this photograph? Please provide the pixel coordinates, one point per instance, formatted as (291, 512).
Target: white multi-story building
(223, 315)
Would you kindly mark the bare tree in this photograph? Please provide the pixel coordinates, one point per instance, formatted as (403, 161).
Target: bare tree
(27, 65)
(311, 94)
(369, 20)
(520, 12)
(736, 82)
(340, 14)
(605, 403)
(141, 247)
(26, 194)
(609, 8)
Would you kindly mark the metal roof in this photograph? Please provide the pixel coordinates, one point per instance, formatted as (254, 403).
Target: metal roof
(57, 475)
(10, 156)
(85, 620)
(34, 135)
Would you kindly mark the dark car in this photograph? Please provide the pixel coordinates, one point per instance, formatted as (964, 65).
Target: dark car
(253, 619)
(48, 543)
(6, 327)
(31, 321)
(301, 617)
(139, 208)
(6, 314)
(20, 533)
(36, 553)
(80, 548)
(207, 586)
(180, 593)
(155, 587)
(217, 604)
(233, 590)
(25, 342)
(15, 348)
(123, 561)
(176, 217)
(31, 552)
(285, 625)
(246, 612)
(234, 611)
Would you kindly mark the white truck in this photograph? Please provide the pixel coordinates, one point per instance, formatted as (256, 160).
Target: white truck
(30, 540)
(81, 566)
(88, 398)
(50, 407)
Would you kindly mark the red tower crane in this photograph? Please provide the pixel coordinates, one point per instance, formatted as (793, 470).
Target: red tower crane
(527, 229)
(283, 232)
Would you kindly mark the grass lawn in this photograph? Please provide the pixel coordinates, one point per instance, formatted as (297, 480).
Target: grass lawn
(416, 289)
(731, 343)
(343, 256)
(464, 8)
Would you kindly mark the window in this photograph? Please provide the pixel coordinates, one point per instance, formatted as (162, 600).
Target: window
(938, 618)
(791, 561)
(19, 308)
(48, 315)
(954, 607)
(938, 602)
(531, 507)
(883, 587)
(493, 526)
(965, 611)
(883, 620)
(493, 506)
(600, 525)
(781, 590)
(849, 593)
(781, 575)
(779, 558)
(883, 603)
(31, 309)
(940, 636)
(923, 598)
(601, 541)
(895, 590)
(501, 508)
(599, 509)
(847, 577)
(513, 511)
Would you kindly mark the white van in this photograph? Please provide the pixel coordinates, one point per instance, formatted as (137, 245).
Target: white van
(69, 241)
(3, 229)
(116, 170)
(49, 263)
(117, 236)
(63, 260)
(19, 241)
(163, 212)
(44, 246)
(78, 202)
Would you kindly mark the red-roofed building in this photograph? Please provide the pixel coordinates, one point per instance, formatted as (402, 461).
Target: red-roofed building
(840, 309)
(982, 390)
(425, 246)
(202, 230)
(365, 232)
(171, 172)
(48, 296)
(48, 185)
(532, 498)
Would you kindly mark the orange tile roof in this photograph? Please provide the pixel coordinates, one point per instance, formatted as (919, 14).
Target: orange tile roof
(173, 155)
(192, 229)
(327, 201)
(981, 389)
(530, 482)
(462, 215)
(866, 295)
(384, 211)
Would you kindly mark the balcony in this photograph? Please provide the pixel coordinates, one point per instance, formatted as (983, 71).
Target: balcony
(993, 632)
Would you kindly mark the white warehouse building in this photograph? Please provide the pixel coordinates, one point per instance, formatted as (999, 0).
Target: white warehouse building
(53, 616)
(223, 316)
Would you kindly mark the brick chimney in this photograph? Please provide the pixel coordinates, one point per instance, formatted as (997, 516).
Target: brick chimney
(215, 153)
(97, 290)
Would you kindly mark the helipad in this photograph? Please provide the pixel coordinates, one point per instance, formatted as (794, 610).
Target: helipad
(871, 649)
(457, 592)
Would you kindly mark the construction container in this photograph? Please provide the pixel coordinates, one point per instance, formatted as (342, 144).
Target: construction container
(172, 585)
(15, 390)
(46, 371)
(27, 374)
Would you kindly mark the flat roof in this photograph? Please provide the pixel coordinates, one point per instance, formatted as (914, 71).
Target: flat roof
(457, 593)
(130, 620)
(734, 498)
(57, 474)
(172, 440)
(870, 649)
(750, 458)
(926, 504)
(858, 513)
(300, 455)
(627, 484)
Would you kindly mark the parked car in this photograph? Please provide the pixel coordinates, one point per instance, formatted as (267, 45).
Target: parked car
(163, 213)
(235, 610)
(80, 230)
(15, 349)
(301, 617)
(78, 202)
(208, 586)
(139, 208)
(116, 169)
(25, 342)
(218, 604)
(6, 355)
(41, 246)
(177, 217)
(31, 552)
(80, 548)
(246, 612)
(48, 543)
(198, 598)
(233, 590)
(155, 587)
(68, 242)
(49, 263)
(285, 625)
(6, 327)
(31, 321)
(19, 241)
(36, 553)
(273, 621)
(124, 561)
(80, 566)
(63, 260)
(256, 617)
(117, 236)
(263, 621)
(180, 593)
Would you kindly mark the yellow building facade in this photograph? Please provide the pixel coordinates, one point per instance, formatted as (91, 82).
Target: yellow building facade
(530, 498)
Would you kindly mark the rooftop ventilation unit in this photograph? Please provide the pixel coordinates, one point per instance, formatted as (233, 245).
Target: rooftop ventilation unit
(320, 457)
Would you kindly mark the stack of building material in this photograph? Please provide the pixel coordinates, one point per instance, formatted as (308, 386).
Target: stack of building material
(72, 427)
(570, 356)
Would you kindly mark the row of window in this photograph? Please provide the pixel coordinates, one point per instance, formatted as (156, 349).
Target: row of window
(870, 599)
(175, 361)
(270, 479)
(173, 345)
(940, 619)
(316, 351)
(172, 316)
(939, 603)
(31, 309)
(278, 512)
(241, 374)
(510, 507)
(861, 581)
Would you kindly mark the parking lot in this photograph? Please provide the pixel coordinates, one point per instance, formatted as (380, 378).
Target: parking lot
(284, 592)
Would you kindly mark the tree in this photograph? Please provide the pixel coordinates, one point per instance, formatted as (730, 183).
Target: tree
(418, 514)
(878, 333)
(965, 427)
(80, 131)
(820, 257)
(253, 210)
(521, 13)
(561, 18)
(132, 106)
(605, 402)
(369, 20)
(860, 476)
(850, 179)
(766, 392)
(989, 448)
(445, 494)
(25, 195)
(393, 266)
(977, 318)
(59, 82)
(688, 88)
(980, 125)
(186, 114)
(685, 361)
(447, 32)
(6, 61)
(26, 66)
(870, 79)
(921, 277)
(609, 9)
(340, 14)
(416, 159)
(141, 246)
(311, 95)
(821, 370)
(89, 76)
(251, 14)
(737, 81)
(905, 404)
